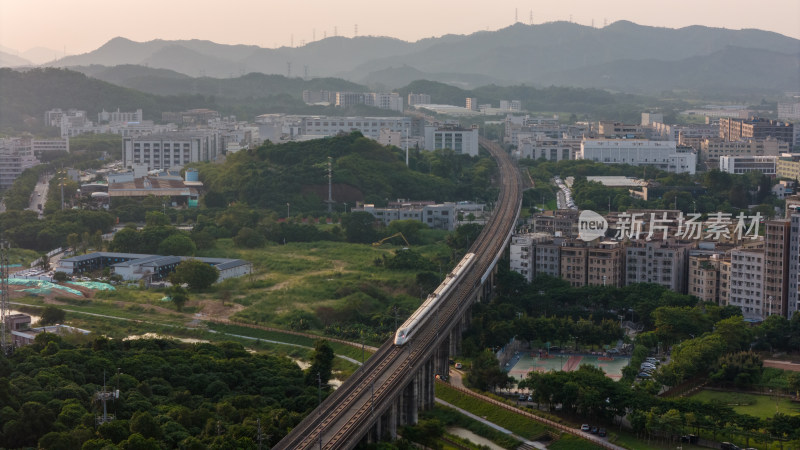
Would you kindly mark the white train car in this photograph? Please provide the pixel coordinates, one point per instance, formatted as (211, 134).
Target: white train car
(428, 307)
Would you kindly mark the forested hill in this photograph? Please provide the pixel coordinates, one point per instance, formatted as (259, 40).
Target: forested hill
(363, 170)
(27, 95)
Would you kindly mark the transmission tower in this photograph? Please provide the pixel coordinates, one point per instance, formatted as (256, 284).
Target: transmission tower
(103, 397)
(5, 333)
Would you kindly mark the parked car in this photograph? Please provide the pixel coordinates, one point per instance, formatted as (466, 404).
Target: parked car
(594, 430)
(644, 375)
(602, 432)
(585, 427)
(459, 365)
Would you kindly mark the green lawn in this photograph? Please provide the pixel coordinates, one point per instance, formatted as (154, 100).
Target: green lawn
(761, 406)
(518, 424)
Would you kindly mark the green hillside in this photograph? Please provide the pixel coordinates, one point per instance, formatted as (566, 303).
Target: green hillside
(363, 170)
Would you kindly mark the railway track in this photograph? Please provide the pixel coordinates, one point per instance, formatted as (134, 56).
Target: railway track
(341, 420)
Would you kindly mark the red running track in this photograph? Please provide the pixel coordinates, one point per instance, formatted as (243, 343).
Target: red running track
(572, 363)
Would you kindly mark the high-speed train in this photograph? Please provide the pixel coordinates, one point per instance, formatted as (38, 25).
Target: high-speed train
(427, 308)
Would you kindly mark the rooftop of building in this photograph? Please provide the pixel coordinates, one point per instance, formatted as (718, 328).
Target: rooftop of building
(617, 181)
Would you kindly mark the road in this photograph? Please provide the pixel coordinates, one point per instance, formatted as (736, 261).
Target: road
(39, 195)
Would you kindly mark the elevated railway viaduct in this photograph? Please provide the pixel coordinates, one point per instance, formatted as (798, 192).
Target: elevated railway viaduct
(398, 381)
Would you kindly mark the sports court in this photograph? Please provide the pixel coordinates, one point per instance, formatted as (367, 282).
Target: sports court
(611, 365)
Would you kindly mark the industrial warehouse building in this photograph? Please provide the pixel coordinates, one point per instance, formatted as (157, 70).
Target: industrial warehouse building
(135, 266)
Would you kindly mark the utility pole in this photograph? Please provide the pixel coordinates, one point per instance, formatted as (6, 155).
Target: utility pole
(319, 389)
(5, 343)
(406, 146)
(260, 437)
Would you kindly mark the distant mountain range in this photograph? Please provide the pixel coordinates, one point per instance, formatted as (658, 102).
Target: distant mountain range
(621, 56)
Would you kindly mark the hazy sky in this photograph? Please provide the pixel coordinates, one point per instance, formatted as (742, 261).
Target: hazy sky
(80, 26)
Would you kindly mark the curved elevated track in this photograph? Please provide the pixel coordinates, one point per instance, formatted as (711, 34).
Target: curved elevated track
(348, 414)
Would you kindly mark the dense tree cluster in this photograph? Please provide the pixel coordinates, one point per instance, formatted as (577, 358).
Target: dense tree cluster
(24, 230)
(710, 191)
(171, 395)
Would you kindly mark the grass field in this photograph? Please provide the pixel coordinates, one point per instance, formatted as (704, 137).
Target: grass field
(516, 423)
(762, 406)
(339, 279)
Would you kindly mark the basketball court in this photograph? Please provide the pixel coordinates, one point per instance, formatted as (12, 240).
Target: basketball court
(611, 365)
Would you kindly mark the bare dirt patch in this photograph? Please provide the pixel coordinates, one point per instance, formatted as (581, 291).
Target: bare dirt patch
(214, 308)
(785, 365)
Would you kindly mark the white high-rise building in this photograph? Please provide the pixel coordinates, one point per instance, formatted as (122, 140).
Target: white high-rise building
(746, 284)
(663, 155)
(368, 126)
(460, 140)
(165, 150)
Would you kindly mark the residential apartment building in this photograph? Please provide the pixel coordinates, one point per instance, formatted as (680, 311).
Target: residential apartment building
(605, 264)
(56, 117)
(117, 116)
(704, 275)
(313, 97)
(16, 155)
(724, 282)
(383, 100)
(759, 128)
(547, 258)
(440, 216)
(684, 134)
(199, 116)
(562, 222)
(745, 164)
(165, 150)
(39, 146)
(649, 118)
(573, 263)
(463, 141)
(789, 110)
(418, 99)
(746, 283)
(663, 155)
(788, 166)
(792, 272)
(658, 261)
(391, 101)
(522, 253)
(713, 149)
(776, 267)
(522, 127)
